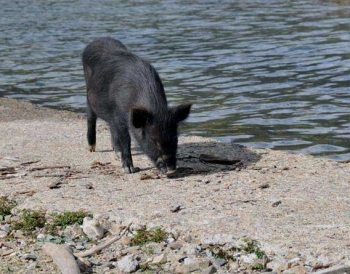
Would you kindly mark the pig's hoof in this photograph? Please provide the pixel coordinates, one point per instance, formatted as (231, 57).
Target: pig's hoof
(129, 169)
(92, 148)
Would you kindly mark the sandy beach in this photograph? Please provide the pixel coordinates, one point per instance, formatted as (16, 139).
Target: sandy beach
(296, 206)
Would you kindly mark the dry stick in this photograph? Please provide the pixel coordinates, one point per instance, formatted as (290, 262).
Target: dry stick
(63, 257)
(7, 177)
(102, 246)
(29, 163)
(47, 167)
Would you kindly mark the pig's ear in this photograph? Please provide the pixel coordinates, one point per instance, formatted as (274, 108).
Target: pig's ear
(181, 112)
(139, 117)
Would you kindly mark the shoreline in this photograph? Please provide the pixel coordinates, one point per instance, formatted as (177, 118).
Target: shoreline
(295, 205)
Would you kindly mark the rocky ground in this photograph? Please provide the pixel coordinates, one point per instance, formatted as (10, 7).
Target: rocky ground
(228, 209)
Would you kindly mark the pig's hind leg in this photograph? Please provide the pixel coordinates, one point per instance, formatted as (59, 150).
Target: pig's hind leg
(91, 131)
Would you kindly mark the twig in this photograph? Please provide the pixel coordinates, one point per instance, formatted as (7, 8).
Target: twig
(9, 245)
(7, 177)
(47, 167)
(6, 253)
(63, 257)
(29, 163)
(102, 246)
(29, 192)
(49, 175)
(7, 170)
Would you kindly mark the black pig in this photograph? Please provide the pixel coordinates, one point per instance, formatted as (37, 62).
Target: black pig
(126, 92)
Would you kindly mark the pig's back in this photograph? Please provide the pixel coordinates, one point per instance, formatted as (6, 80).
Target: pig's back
(100, 49)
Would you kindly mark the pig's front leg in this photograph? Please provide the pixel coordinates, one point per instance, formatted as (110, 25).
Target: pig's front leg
(122, 143)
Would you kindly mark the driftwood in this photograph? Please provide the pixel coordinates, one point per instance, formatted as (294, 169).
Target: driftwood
(102, 246)
(47, 167)
(63, 257)
(29, 163)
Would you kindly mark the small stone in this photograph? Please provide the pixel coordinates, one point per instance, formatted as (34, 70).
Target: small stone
(77, 230)
(131, 250)
(92, 228)
(79, 247)
(180, 269)
(209, 270)
(175, 208)
(32, 266)
(15, 219)
(250, 258)
(196, 264)
(125, 240)
(7, 219)
(30, 257)
(3, 234)
(89, 186)
(128, 264)
(161, 259)
(218, 262)
(73, 231)
(175, 245)
(233, 266)
(170, 240)
(41, 236)
(191, 249)
(294, 261)
(191, 267)
(276, 203)
(153, 248)
(296, 270)
(6, 228)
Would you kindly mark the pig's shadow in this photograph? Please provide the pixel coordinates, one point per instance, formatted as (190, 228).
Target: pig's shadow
(228, 156)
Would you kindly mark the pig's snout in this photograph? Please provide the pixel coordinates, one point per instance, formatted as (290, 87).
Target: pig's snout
(166, 164)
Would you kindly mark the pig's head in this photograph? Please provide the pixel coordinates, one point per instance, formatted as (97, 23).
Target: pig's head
(157, 134)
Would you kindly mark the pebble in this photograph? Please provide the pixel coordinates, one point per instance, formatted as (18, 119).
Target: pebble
(154, 248)
(6, 228)
(209, 270)
(175, 245)
(131, 250)
(160, 259)
(218, 262)
(3, 234)
(30, 257)
(250, 258)
(41, 236)
(191, 249)
(233, 266)
(32, 266)
(276, 203)
(128, 264)
(79, 247)
(92, 228)
(181, 269)
(7, 219)
(175, 208)
(125, 240)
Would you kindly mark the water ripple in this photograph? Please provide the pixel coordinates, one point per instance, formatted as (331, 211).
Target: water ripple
(275, 76)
